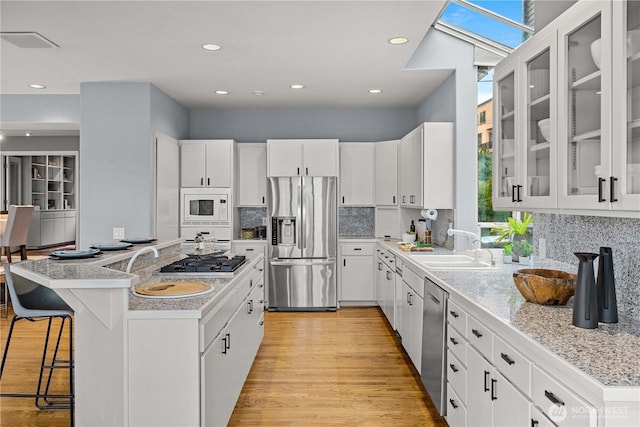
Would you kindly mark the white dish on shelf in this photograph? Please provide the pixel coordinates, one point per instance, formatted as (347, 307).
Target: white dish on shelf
(633, 46)
(544, 125)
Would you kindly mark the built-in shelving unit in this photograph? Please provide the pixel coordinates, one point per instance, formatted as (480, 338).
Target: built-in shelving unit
(53, 181)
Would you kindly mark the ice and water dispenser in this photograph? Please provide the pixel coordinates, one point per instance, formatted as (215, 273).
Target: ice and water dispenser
(283, 231)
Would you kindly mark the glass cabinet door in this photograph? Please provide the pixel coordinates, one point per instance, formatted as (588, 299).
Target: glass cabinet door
(540, 145)
(585, 132)
(505, 170)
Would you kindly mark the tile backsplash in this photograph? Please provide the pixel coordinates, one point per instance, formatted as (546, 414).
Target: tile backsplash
(252, 217)
(566, 234)
(356, 222)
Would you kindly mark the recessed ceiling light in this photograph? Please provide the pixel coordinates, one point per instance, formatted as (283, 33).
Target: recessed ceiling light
(211, 47)
(27, 134)
(374, 91)
(398, 40)
(37, 86)
(222, 92)
(297, 86)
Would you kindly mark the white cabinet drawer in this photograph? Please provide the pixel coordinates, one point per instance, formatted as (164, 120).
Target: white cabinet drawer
(457, 344)
(414, 281)
(513, 365)
(457, 318)
(457, 376)
(562, 406)
(456, 411)
(480, 337)
(356, 248)
(538, 419)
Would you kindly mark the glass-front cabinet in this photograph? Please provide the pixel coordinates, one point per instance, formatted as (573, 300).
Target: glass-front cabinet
(625, 158)
(525, 154)
(584, 104)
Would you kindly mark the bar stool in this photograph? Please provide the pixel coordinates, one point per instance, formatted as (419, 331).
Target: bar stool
(34, 302)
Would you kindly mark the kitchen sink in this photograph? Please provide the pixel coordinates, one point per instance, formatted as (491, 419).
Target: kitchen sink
(469, 260)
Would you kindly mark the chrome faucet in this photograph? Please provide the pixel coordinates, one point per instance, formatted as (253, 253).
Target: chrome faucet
(140, 252)
(476, 239)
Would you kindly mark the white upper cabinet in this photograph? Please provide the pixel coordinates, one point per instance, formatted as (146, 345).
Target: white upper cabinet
(590, 159)
(386, 173)
(525, 160)
(425, 167)
(318, 157)
(251, 174)
(206, 163)
(357, 160)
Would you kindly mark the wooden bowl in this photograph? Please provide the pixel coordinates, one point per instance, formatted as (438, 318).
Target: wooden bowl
(546, 287)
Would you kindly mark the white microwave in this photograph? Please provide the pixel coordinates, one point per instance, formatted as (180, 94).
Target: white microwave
(205, 206)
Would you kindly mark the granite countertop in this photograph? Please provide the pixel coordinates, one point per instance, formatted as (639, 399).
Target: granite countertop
(610, 354)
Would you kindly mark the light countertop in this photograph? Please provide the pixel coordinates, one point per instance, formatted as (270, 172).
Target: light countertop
(610, 354)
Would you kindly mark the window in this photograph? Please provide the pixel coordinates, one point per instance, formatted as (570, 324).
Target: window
(483, 117)
(479, 139)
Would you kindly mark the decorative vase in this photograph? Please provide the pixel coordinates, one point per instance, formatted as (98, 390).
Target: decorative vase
(585, 304)
(507, 259)
(606, 288)
(524, 260)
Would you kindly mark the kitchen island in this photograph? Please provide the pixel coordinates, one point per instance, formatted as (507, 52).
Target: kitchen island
(529, 350)
(142, 361)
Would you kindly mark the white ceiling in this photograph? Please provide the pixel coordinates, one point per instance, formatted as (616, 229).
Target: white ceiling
(337, 49)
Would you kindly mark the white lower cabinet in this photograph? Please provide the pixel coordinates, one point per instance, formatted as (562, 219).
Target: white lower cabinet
(385, 278)
(456, 411)
(411, 323)
(538, 419)
(357, 272)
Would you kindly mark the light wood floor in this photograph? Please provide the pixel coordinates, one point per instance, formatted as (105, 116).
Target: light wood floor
(340, 368)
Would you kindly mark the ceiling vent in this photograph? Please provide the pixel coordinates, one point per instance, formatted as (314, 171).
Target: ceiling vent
(27, 40)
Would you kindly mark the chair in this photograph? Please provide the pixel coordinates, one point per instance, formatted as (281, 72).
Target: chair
(34, 302)
(16, 230)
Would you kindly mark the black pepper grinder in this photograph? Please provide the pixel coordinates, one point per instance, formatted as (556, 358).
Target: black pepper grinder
(585, 304)
(412, 227)
(606, 288)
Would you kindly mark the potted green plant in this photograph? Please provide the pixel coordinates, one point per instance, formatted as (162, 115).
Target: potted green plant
(507, 253)
(525, 249)
(514, 230)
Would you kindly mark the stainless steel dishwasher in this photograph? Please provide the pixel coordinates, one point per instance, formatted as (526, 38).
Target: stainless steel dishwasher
(434, 351)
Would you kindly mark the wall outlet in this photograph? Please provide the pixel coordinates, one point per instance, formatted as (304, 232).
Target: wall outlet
(118, 233)
(542, 248)
(264, 220)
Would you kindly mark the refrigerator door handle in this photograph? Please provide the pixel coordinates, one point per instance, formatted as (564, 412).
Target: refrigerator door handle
(296, 262)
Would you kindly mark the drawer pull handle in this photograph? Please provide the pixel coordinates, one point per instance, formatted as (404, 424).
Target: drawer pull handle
(476, 333)
(453, 367)
(357, 249)
(261, 323)
(507, 359)
(454, 314)
(453, 403)
(552, 397)
(486, 377)
(494, 389)
(454, 341)
(534, 422)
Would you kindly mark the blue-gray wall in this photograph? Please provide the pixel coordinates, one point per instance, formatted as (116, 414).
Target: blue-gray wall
(52, 109)
(345, 124)
(117, 131)
(455, 100)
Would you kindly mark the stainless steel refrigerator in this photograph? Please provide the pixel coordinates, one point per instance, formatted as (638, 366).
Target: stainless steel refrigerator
(303, 243)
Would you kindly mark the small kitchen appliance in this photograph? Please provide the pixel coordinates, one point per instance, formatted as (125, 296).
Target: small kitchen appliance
(206, 211)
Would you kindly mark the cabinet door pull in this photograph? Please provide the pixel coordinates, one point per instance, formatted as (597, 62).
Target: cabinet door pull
(344, 262)
(453, 367)
(228, 341)
(342, 199)
(552, 397)
(403, 197)
(453, 403)
(476, 333)
(507, 359)
(494, 389)
(388, 275)
(307, 170)
(379, 266)
(394, 200)
(224, 345)
(298, 171)
(513, 193)
(486, 377)
(612, 189)
(534, 422)
(263, 200)
(453, 341)
(454, 314)
(201, 181)
(208, 182)
(600, 182)
(519, 195)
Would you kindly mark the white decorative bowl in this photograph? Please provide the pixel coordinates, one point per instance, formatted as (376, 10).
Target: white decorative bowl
(595, 52)
(408, 238)
(544, 126)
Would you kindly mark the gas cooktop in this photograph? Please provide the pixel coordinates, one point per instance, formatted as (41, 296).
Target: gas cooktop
(210, 265)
